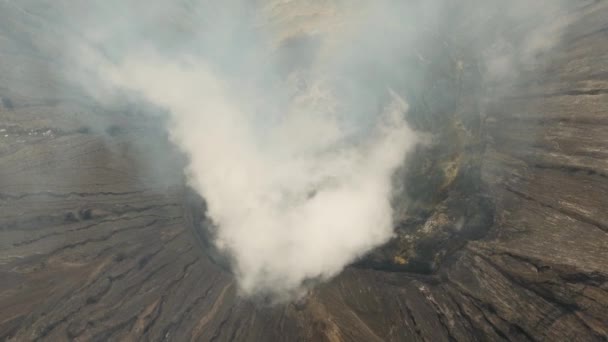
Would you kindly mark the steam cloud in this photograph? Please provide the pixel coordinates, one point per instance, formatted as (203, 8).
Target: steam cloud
(294, 154)
(293, 197)
(287, 114)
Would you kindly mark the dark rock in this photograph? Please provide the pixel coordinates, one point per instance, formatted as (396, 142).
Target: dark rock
(7, 103)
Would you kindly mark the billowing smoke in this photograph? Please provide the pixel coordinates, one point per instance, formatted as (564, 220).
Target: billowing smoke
(289, 112)
(295, 196)
(290, 142)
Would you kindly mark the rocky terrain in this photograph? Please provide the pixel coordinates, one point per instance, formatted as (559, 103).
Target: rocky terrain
(504, 235)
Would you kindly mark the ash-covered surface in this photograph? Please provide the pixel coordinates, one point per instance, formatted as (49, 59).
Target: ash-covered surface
(502, 232)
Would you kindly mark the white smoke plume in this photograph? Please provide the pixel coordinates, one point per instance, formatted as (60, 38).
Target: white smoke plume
(295, 163)
(293, 198)
(287, 113)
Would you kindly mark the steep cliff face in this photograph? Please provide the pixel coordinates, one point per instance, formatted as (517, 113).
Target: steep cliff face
(97, 243)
